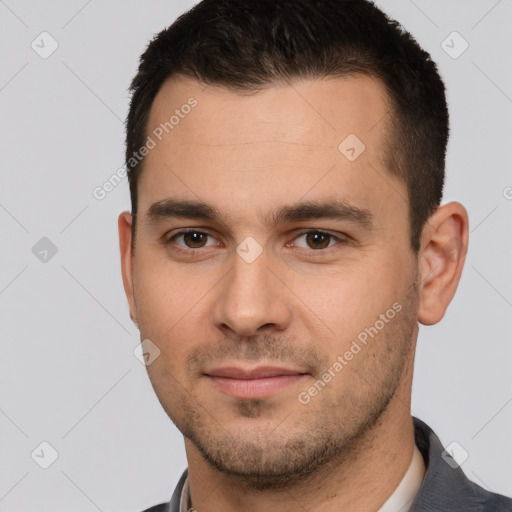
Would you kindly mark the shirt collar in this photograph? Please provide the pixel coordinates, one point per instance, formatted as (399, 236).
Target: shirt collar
(403, 496)
(185, 503)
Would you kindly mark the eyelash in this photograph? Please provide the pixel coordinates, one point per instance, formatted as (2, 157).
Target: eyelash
(180, 249)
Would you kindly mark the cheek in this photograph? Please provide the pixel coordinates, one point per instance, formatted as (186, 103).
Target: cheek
(344, 303)
(165, 292)
(171, 308)
(176, 331)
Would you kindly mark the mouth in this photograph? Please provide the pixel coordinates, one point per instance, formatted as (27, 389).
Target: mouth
(256, 383)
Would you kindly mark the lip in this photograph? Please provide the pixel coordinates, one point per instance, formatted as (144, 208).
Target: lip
(255, 383)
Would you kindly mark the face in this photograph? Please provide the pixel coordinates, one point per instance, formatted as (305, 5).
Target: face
(273, 271)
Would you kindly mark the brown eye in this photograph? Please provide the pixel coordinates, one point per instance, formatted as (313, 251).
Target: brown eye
(194, 239)
(318, 240)
(190, 239)
(314, 240)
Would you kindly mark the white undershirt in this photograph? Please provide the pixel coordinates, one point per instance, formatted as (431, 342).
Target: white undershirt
(399, 501)
(404, 494)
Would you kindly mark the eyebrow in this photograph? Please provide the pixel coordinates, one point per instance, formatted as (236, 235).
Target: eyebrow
(335, 210)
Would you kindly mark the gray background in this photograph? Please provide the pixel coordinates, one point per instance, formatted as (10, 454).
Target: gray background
(68, 375)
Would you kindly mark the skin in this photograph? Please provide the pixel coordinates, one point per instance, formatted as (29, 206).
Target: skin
(299, 305)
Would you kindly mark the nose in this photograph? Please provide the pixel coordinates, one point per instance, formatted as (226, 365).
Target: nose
(252, 299)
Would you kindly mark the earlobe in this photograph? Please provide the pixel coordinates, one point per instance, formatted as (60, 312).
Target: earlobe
(442, 255)
(124, 224)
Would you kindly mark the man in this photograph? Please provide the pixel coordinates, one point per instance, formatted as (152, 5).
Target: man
(286, 237)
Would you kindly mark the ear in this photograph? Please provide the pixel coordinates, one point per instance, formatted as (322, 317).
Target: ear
(443, 250)
(124, 224)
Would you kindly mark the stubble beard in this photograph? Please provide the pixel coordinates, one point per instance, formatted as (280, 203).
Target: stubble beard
(312, 437)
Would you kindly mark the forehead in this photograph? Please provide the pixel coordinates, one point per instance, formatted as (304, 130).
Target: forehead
(314, 138)
(315, 108)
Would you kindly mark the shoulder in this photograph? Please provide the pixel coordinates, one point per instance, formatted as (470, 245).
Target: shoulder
(445, 487)
(491, 501)
(175, 503)
(163, 507)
